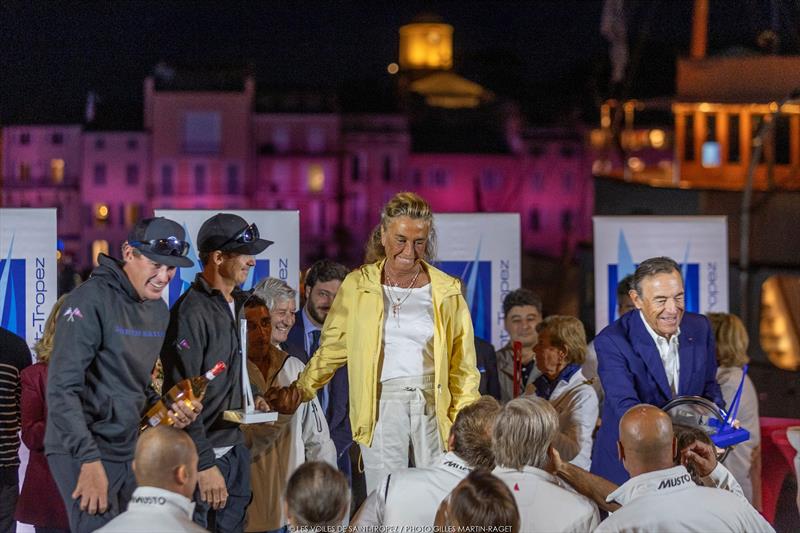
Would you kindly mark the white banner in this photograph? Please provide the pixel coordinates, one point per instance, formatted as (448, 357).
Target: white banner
(28, 270)
(698, 244)
(281, 260)
(483, 249)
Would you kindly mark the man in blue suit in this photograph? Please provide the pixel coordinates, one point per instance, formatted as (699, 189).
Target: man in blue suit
(322, 283)
(650, 355)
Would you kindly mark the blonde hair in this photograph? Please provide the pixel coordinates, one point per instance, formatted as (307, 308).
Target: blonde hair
(567, 333)
(402, 204)
(731, 337)
(44, 346)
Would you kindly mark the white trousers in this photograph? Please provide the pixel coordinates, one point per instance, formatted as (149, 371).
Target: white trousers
(406, 428)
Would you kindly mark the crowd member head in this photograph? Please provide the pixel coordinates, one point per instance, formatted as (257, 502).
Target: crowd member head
(480, 500)
(523, 312)
(471, 434)
(561, 341)
(646, 440)
(259, 326)
(166, 458)
(322, 283)
(405, 235)
(317, 498)
(226, 246)
(657, 291)
(155, 247)
(624, 302)
(523, 432)
(732, 339)
(44, 346)
(280, 299)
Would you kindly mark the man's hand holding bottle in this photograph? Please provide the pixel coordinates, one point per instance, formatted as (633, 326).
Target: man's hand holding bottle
(184, 415)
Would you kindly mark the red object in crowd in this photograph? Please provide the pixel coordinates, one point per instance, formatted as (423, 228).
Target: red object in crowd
(517, 346)
(777, 461)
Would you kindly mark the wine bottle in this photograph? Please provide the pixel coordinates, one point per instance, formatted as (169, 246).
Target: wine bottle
(185, 391)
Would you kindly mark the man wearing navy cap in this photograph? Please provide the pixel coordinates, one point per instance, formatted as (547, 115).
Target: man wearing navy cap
(107, 341)
(204, 329)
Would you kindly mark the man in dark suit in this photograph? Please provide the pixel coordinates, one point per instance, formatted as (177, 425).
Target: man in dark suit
(650, 356)
(322, 283)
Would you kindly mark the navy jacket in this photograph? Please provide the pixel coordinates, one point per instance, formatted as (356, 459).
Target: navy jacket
(487, 366)
(632, 372)
(337, 414)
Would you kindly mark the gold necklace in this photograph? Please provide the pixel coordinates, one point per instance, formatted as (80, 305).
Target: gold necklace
(398, 301)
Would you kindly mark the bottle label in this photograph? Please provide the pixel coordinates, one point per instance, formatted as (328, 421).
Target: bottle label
(154, 420)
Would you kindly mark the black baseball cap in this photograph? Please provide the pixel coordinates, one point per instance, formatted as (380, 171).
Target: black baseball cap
(161, 240)
(230, 233)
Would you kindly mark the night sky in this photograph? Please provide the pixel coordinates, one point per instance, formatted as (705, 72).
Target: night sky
(52, 53)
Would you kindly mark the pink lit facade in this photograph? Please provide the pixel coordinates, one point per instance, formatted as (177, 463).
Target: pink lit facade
(212, 150)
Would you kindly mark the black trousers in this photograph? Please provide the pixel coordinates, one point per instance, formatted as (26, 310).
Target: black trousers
(235, 469)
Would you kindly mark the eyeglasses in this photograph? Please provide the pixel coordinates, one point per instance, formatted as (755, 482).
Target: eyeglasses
(168, 246)
(247, 235)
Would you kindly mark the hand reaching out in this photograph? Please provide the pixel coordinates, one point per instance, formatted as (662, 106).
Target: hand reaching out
(285, 400)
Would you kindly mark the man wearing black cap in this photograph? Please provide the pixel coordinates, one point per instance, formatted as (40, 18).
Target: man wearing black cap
(204, 329)
(107, 341)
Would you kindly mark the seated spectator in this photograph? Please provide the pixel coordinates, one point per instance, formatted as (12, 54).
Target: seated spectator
(276, 450)
(165, 466)
(409, 497)
(317, 498)
(40, 503)
(660, 496)
(744, 460)
(480, 502)
(559, 354)
(523, 433)
(624, 304)
(522, 309)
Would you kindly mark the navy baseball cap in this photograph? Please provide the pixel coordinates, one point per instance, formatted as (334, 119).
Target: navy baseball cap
(161, 240)
(230, 233)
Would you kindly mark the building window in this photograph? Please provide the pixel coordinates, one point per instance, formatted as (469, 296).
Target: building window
(416, 177)
(24, 171)
(567, 151)
(491, 180)
(355, 167)
(57, 170)
(24, 138)
(132, 212)
(100, 174)
(233, 179)
(57, 138)
(566, 220)
(439, 177)
(711, 127)
(783, 155)
(387, 168)
(755, 123)
(537, 180)
(280, 140)
(133, 144)
(132, 174)
(99, 246)
(734, 143)
(316, 178)
(316, 140)
(167, 186)
(99, 143)
(688, 138)
(200, 179)
(568, 180)
(534, 222)
(202, 132)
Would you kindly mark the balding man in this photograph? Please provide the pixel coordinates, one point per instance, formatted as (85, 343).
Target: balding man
(662, 497)
(165, 466)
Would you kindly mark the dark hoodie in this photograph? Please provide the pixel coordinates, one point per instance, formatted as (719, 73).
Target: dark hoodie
(106, 345)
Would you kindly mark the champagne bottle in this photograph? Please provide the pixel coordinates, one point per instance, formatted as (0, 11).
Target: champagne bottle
(185, 391)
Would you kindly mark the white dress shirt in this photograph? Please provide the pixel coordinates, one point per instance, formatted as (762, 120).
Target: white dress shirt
(668, 350)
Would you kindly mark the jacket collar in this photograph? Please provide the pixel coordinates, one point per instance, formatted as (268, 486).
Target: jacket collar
(451, 461)
(664, 481)
(645, 346)
(442, 285)
(168, 500)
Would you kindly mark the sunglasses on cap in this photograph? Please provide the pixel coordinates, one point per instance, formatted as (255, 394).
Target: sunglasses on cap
(246, 236)
(168, 246)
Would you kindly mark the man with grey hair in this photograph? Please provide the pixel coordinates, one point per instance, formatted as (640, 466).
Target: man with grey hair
(280, 300)
(651, 356)
(523, 434)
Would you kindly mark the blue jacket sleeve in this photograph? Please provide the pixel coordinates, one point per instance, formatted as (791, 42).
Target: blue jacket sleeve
(615, 375)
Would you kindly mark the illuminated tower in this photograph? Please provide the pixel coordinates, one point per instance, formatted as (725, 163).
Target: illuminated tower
(426, 44)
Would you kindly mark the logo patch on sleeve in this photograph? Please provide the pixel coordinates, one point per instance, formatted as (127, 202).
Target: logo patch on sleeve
(72, 313)
(183, 344)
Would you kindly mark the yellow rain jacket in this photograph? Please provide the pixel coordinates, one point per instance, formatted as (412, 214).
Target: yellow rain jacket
(353, 335)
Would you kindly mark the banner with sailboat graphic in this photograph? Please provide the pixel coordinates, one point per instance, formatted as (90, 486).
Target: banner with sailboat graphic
(699, 244)
(281, 260)
(28, 270)
(483, 249)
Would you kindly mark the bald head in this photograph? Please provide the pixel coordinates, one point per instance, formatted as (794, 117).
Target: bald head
(646, 441)
(166, 458)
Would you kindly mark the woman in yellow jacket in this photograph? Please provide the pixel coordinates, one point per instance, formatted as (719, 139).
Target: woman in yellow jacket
(404, 331)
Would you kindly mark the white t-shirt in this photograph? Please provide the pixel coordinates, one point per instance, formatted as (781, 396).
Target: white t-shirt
(407, 332)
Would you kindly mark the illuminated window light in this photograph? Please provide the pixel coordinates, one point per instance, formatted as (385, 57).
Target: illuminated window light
(99, 246)
(657, 138)
(57, 170)
(101, 212)
(711, 155)
(316, 178)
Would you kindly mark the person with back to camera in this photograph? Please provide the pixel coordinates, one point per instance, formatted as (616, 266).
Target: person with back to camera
(317, 498)
(39, 503)
(480, 502)
(405, 332)
(559, 354)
